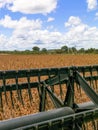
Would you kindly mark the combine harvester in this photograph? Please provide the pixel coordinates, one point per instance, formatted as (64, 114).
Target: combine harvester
(65, 98)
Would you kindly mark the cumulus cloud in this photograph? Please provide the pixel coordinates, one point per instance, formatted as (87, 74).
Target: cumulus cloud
(2, 38)
(92, 4)
(21, 33)
(22, 23)
(81, 34)
(3, 42)
(30, 6)
(25, 35)
(73, 21)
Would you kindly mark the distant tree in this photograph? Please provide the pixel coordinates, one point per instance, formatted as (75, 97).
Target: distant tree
(27, 51)
(36, 49)
(82, 50)
(58, 51)
(74, 50)
(64, 49)
(96, 51)
(91, 50)
(44, 50)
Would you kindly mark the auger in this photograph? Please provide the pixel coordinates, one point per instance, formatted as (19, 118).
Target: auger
(59, 98)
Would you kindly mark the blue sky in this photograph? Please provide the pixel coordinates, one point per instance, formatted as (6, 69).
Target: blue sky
(48, 24)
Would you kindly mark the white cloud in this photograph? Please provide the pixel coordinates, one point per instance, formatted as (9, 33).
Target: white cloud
(25, 35)
(73, 21)
(22, 28)
(92, 4)
(30, 6)
(3, 41)
(50, 19)
(2, 38)
(22, 23)
(81, 34)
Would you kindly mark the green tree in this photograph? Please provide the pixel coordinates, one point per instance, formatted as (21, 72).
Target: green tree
(74, 50)
(64, 49)
(82, 50)
(90, 50)
(36, 49)
(58, 51)
(44, 50)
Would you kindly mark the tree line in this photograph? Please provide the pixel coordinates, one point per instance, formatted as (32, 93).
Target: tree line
(62, 50)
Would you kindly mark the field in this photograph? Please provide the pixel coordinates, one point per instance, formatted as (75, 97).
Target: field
(11, 62)
(17, 62)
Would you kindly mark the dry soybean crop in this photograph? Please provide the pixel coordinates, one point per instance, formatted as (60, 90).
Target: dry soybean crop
(17, 62)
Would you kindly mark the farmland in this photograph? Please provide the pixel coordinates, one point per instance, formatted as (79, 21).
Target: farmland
(10, 62)
(17, 62)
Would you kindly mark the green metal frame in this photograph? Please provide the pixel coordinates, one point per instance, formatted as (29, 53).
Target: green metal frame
(85, 77)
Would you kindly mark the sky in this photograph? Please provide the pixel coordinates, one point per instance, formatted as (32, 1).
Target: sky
(48, 24)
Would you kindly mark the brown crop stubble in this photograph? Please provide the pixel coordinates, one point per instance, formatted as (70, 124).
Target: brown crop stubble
(16, 62)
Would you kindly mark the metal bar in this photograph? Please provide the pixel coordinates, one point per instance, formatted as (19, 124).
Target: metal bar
(29, 89)
(55, 79)
(88, 90)
(86, 68)
(60, 86)
(44, 71)
(32, 72)
(11, 95)
(49, 80)
(42, 99)
(69, 97)
(19, 91)
(20, 86)
(92, 84)
(67, 120)
(4, 87)
(40, 92)
(35, 118)
(58, 102)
